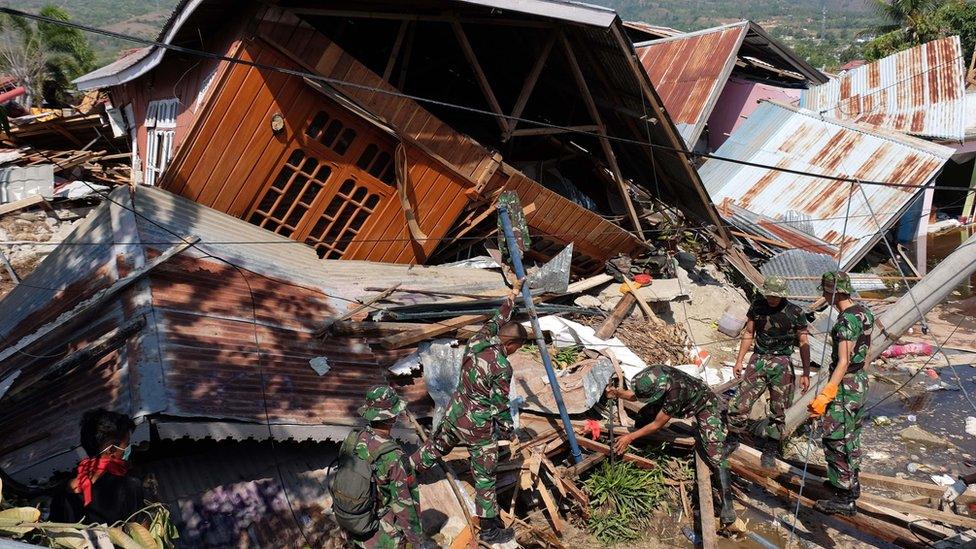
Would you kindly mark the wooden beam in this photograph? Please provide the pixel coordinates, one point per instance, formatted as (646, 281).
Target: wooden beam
(705, 504)
(869, 525)
(372, 329)
(433, 330)
(407, 16)
(102, 346)
(99, 299)
(526, 132)
(21, 204)
(676, 142)
(395, 52)
(529, 85)
(402, 79)
(595, 446)
(480, 76)
(900, 485)
(620, 312)
(326, 326)
(604, 142)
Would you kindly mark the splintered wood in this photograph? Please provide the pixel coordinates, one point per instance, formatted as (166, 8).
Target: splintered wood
(655, 344)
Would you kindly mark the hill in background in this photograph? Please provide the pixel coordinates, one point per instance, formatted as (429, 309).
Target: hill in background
(825, 40)
(141, 18)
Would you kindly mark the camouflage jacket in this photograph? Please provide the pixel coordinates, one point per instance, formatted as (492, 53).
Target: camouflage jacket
(481, 398)
(853, 324)
(397, 485)
(776, 327)
(675, 393)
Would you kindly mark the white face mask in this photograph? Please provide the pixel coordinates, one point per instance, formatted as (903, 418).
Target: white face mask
(126, 452)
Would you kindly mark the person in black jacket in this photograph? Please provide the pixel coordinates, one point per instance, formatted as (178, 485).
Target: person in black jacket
(101, 491)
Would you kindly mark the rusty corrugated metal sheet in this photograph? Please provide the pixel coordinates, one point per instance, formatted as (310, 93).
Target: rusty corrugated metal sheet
(786, 137)
(207, 324)
(689, 72)
(920, 91)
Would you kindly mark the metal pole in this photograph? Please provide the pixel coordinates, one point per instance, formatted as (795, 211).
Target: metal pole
(931, 290)
(539, 339)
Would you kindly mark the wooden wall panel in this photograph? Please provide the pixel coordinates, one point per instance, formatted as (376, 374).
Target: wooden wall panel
(554, 215)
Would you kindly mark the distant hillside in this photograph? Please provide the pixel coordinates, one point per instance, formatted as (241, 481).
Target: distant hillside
(825, 32)
(797, 22)
(142, 18)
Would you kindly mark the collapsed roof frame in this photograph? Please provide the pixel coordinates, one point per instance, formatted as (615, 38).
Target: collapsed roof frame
(661, 169)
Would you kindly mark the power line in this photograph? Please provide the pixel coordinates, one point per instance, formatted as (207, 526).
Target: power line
(427, 100)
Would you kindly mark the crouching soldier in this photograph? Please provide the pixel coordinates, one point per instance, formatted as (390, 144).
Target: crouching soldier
(479, 415)
(668, 392)
(775, 328)
(374, 490)
(842, 399)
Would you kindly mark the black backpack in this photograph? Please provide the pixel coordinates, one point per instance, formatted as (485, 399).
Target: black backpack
(355, 497)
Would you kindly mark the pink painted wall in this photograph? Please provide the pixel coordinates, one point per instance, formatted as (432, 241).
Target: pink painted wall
(739, 98)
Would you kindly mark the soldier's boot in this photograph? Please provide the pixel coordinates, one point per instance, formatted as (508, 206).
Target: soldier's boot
(727, 516)
(770, 451)
(492, 532)
(841, 502)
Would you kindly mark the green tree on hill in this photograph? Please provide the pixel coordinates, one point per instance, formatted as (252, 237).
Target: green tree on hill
(909, 23)
(44, 56)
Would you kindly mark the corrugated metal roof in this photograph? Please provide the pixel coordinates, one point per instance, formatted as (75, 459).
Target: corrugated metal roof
(783, 136)
(210, 333)
(798, 263)
(20, 182)
(689, 72)
(920, 91)
(231, 494)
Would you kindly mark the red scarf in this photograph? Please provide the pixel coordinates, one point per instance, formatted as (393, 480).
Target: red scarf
(89, 468)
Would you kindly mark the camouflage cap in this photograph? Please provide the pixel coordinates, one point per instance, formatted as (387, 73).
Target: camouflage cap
(382, 403)
(775, 286)
(651, 383)
(836, 281)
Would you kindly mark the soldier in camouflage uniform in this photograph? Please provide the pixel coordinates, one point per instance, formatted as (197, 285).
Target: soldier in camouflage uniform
(479, 413)
(399, 515)
(774, 329)
(668, 392)
(842, 399)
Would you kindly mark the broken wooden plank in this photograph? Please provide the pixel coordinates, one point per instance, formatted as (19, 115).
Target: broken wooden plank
(21, 204)
(551, 540)
(870, 525)
(108, 342)
(373, 329)
(432, 330)
(620, 312)
(586, 284)
(900, 485)
(551, 507)
(595, 446)
(326, 326)
(641, 302)
(588, 463)
(99, 298)
(705, 503)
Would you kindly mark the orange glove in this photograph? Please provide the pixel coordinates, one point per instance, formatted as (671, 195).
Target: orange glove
(818, 407)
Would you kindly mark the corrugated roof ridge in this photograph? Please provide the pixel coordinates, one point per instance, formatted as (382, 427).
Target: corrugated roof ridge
(700, 32)
(921, 145)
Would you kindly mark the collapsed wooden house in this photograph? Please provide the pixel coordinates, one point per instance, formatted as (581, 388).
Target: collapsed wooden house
(382, 130)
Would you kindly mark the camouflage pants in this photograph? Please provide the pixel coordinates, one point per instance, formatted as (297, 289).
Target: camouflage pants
(711, 435)
(483, 460)
(387, 536)
(842, 430)
(772, 372)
